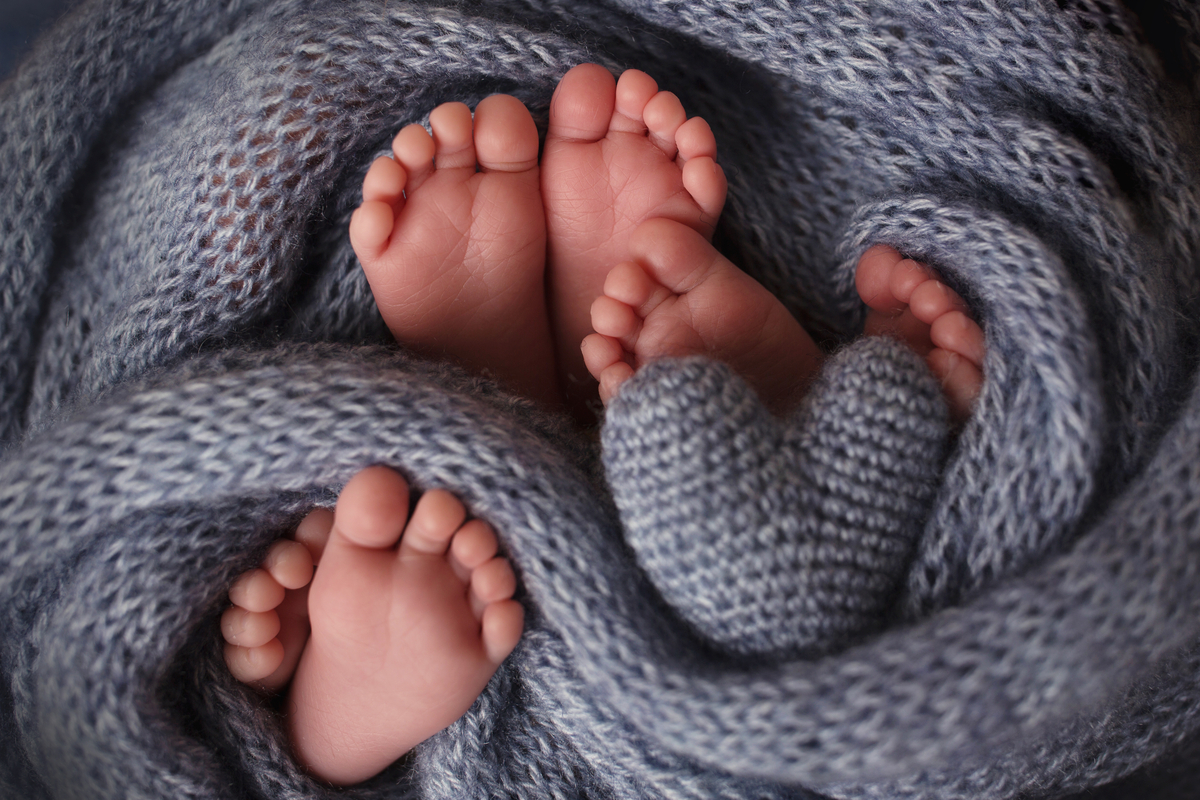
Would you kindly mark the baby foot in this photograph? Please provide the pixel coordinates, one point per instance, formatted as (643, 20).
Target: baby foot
(617, 153)
(266, 626)
(907, 301)
(678, 296)
(411, 616)
(451, 235)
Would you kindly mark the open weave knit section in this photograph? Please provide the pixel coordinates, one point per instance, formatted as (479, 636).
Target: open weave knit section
(833, 605)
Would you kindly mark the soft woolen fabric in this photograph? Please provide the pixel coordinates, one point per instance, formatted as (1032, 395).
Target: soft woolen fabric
(772, 536)
(719, 604)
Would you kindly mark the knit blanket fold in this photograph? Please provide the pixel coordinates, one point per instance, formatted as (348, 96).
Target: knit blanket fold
(842, 604)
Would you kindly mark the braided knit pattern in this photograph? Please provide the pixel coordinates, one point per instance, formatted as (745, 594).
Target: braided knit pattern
(192, 361)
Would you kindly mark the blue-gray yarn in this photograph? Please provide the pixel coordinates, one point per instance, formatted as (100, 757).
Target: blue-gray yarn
(193, 360)
(772, 537)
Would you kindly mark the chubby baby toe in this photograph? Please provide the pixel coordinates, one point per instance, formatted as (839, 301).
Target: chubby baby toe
(290, 563)
(256, 591)
(249, 628)
(958, 333)
(501, 628)
(253, 664)
(663, 116)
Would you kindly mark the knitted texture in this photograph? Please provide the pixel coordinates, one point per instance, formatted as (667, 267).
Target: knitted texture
(192, 360)
(772, 537)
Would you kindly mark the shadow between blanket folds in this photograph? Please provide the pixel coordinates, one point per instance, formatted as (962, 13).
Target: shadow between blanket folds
(187, 374)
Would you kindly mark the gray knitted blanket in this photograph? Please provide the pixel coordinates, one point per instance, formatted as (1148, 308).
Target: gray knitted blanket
(719, 604)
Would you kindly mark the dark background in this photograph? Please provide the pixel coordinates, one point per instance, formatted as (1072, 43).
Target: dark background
(20, 23)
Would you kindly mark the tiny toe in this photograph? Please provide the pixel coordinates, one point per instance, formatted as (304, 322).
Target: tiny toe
(600, 352)
(256, 590)
(906, 276)
(933, 299)
(634, 89)
(372, 508)
(435, 519)
(492, 582)
(613, 318)
(582, 105)
(249, 628)
(289, 563)
(611, 379)
(695, 139)
(506, 138)
(253, 664)
(384, 181)
(705, 182)
(958, 333)
(474, 544)
(629, 283)
(663, 115)
(313, 532)
(501, 629)
(453, 144)
(961, 381)
(371, 229)
(872, 278)
(413, 148)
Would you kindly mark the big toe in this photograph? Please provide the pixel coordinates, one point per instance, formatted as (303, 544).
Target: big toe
(873, 278)
(372, 508)
(673, 254)
(583, 104)
(506, 139)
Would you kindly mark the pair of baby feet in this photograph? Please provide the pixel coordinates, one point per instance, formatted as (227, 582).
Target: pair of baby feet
(478, 253)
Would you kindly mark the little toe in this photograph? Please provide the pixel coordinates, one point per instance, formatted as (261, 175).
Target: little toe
(634, 89)
(249, 628)
(506, 138)
(474, 544)
(453, 143)
(705, 182)
(385, 181)
(663, 116)
(371, 227)
(501, 629)
(491, 582)
(414, 149)
(289, 563)
(872, 279)
(253, 664)
(611, 379)
(435, 519)
(600, 352)
(256, 590)
(958, 333)
(372, 508)
(613, 318)
(582, 105)
(933, 299)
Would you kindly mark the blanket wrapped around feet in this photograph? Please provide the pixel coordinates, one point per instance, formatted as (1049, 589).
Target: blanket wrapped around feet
(719, 604)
